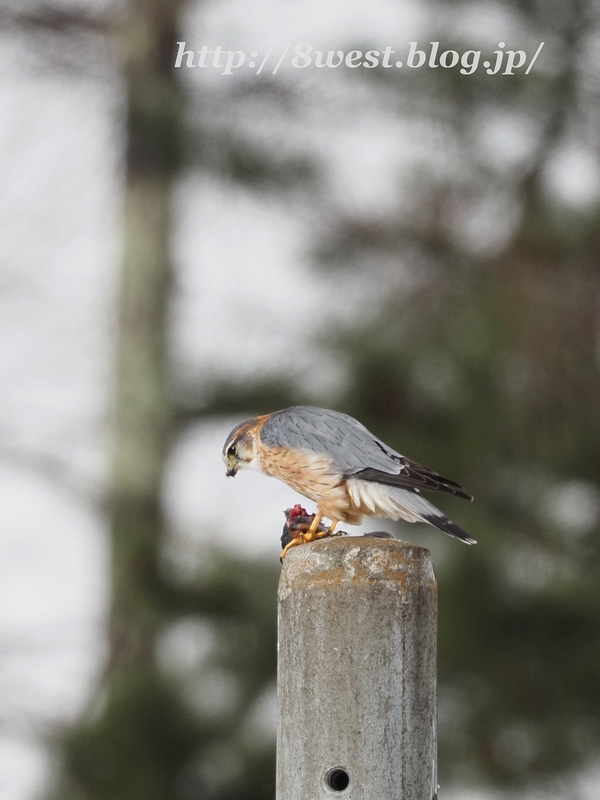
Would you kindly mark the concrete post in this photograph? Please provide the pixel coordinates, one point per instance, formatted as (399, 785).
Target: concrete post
(356, 679)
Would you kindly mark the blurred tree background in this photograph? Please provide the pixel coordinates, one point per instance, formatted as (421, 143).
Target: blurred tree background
(477, 351)
(488, 366)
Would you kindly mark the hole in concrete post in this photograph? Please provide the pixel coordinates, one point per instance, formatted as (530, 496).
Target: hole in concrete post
(338, 779)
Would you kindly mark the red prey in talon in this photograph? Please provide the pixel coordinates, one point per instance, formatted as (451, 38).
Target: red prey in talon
(299, 528)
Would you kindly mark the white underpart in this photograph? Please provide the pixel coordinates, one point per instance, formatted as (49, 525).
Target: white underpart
(390, 502)
(253, 464)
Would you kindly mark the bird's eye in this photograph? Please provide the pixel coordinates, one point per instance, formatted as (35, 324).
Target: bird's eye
(232, 451)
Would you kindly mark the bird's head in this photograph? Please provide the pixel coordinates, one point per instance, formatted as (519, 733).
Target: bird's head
(239, 448)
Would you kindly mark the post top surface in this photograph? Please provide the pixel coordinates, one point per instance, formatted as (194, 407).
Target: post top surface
(357, 559)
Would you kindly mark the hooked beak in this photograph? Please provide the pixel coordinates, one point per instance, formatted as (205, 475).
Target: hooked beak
(232, 471)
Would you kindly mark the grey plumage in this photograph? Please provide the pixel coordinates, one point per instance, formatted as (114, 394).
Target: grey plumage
(361, 456)
(337, 435)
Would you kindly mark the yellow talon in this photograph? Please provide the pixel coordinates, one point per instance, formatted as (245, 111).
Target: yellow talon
(301, 538)
(328, 532)
(293, 543)
(311, 535)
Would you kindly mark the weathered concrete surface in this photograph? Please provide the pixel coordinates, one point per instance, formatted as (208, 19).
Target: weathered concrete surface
(357, 671)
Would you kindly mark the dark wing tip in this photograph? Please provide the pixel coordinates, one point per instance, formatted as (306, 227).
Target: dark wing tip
(445, 524)
(414, 477)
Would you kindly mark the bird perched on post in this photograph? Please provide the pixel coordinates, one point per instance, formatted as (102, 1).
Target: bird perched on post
(335, 461)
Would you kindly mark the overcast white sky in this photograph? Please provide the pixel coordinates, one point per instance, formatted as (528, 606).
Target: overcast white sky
(240, 259)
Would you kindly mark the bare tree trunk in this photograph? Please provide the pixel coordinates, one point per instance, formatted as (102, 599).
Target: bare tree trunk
(138, 745)
(143, 413)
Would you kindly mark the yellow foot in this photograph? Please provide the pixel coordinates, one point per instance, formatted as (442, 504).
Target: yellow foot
(293, 543)
(324, 534)
(311, 535)
(303, 537)
(314, 526)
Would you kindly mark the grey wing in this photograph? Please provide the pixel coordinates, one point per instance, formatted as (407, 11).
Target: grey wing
(353, 448)
(337, 435)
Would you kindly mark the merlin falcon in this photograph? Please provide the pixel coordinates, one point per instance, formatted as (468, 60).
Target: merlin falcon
(332, 459)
